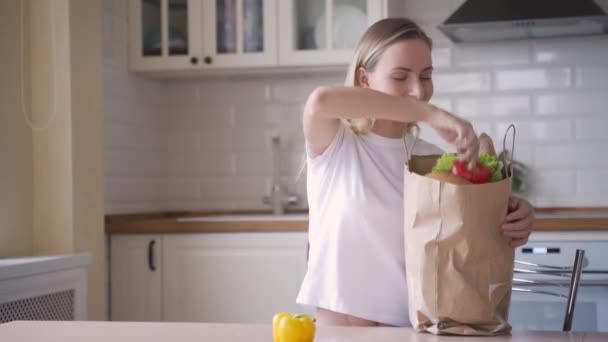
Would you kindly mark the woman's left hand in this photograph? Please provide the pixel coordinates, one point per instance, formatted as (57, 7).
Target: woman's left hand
(518, 223)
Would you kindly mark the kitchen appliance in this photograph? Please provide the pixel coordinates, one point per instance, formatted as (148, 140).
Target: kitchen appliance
(493, 20)
(536, 311)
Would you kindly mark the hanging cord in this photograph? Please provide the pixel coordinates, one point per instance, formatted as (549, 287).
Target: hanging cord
(27, 118)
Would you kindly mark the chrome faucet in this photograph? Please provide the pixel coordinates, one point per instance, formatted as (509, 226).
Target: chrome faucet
(279, 199)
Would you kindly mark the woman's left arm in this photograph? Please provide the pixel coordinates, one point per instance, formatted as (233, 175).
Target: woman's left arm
(518, 223)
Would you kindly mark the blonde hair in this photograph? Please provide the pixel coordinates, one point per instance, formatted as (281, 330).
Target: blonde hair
(371, 46)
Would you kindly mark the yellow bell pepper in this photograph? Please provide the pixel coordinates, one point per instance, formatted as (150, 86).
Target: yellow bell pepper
(293, 328)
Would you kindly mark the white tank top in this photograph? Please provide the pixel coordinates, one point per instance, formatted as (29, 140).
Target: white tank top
(356, 260)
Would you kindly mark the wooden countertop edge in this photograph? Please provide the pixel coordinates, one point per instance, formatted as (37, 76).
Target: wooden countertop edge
(599, 224)
(167, 225)
(172, 226)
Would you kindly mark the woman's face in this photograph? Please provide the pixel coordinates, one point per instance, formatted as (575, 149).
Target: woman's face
(404, 69)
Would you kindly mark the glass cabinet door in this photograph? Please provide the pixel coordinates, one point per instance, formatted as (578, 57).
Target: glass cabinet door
(164, 37)
(240, 32)
(161, 30)
(324, 31)
(151, 36)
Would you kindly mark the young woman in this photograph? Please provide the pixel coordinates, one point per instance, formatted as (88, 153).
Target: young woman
(355, 158)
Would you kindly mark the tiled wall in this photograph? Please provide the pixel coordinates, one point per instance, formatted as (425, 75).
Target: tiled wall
(208, 143)
(219, 139)
(135, 135)
(555, 91)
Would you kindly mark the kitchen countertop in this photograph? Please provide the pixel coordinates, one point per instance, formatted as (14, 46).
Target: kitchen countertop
(547, 219)
(72, 331)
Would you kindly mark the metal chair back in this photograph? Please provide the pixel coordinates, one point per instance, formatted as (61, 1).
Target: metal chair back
(573, 273)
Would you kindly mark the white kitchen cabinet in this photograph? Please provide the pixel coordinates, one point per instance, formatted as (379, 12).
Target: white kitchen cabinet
(135, 277)
(325, 32)
(232, 277)
(183, 35)
(206, 277)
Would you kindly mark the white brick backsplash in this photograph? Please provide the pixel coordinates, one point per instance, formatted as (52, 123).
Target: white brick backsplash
(592, 77)
(529, 131)
(183, 141)
(524, 152)
(572, 200)
(572, 50)
(200, 164)
(232, 91)
(550, 182)
(591, 129)
(236, 140)
(241, 188)
(442, 57)
(254, 164)
(574, 104)
(593, 182)
(533, 78)
(132, 137)
(181, 189)
(509, 53)
(134, 163)
(182, 93)
(195, 117)
(578, 155)
(260, 116)
(182, 164)
(515, 105)
(297, 90)
(140, 189)
(461, 82)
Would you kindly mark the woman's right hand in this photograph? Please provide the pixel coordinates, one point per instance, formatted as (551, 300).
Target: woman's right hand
(456, 131)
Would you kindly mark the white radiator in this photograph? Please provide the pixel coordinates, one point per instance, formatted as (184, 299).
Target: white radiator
(44, 288)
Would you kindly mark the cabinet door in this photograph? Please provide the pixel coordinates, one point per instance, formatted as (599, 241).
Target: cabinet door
(239, 33)
(135, 277)
(164, 34)
(232, 277)
(324, 32)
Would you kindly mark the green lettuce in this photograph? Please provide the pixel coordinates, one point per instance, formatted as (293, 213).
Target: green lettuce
(493, 163)
(445, 162)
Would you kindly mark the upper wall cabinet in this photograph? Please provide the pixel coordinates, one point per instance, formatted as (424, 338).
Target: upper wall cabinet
(194, 34)
(318, 32)
(182, 35)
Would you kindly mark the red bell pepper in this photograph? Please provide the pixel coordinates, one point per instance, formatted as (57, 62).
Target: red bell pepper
(477, 175)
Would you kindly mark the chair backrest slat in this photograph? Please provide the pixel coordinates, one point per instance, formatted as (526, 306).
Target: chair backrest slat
(574, 283)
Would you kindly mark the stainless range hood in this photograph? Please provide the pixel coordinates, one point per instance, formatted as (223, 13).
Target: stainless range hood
(494, 20)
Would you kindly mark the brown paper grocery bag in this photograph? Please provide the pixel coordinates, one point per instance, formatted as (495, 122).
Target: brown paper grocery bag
(459, 267)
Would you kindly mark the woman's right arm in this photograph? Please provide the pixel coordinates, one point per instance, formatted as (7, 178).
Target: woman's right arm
(326, 105)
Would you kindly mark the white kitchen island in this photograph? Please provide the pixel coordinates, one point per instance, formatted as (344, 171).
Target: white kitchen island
(73, 331)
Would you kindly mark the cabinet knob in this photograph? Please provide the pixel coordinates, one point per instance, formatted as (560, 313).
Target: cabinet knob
(194, 60)
(208, 60)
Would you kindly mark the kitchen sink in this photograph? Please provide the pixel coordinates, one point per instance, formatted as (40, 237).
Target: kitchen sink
(245, 217)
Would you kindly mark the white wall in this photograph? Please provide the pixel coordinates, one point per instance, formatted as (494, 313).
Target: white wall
(210, 139)
(16, 158)
(135, 138)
